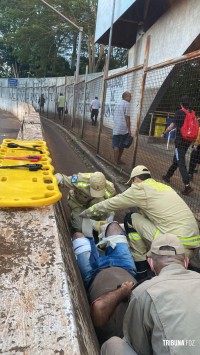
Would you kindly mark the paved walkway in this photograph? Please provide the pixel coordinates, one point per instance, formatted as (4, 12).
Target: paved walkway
(9, 125)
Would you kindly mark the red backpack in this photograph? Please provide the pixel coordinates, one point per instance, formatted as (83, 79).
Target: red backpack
(190, 127)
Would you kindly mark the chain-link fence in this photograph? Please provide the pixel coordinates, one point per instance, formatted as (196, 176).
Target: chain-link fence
(114, 87)
(156, 93)
(91, 132)
(164, 87)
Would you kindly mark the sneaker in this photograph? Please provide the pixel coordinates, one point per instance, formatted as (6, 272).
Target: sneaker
(188, 189)
(166, 178)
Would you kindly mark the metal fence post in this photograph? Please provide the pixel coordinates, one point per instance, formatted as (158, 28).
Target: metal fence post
(48, 102)
(103, 94)
(56, 98)
(74, 103)
(135, 142)
(84, 100)
(25, 91)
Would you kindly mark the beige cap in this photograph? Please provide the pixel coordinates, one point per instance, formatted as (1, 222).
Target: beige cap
(97, 184)
(166, 240)
(138, 170)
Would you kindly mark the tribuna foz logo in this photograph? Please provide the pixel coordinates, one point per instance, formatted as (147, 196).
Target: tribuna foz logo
(176, 342)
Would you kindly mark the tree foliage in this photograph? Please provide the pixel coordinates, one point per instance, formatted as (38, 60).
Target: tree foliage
(35, 40)
(183, 80)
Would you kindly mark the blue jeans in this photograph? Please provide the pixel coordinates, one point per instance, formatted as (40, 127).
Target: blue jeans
(90, 262)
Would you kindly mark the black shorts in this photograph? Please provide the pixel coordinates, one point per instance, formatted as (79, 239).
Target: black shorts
(118, 140)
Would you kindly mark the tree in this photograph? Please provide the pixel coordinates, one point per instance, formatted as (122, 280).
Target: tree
(35, 39)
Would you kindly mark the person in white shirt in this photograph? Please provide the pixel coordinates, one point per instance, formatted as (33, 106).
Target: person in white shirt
(121, 126)
(60, 105)
(94, 109)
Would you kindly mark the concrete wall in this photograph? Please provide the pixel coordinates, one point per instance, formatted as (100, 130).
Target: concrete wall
(43, 304)
(18, 109)
(171, 35)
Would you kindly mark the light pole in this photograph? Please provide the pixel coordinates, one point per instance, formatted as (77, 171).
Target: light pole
(79, 38)
(110, 38)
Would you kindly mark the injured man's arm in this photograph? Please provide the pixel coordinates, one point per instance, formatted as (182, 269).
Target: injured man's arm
(103, 307)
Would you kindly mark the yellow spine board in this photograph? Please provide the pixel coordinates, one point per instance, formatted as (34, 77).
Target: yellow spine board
(20, 187)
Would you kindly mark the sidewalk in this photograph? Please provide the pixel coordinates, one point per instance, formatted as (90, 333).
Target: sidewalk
(9, 125)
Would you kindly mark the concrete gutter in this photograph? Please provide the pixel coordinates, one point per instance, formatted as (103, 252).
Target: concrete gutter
(117, 175)
(43, 304)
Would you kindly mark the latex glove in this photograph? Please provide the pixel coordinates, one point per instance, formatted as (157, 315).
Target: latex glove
(110, 217)
(83, 215)
(59, 178)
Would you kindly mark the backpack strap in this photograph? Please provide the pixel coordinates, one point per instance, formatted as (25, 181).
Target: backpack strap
(185, 110)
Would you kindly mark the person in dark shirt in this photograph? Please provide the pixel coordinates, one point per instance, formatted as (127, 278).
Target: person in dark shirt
(41, 102)
(181, 147)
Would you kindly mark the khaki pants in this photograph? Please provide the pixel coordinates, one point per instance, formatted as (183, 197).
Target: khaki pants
(116, 346)
(140, 242)
(194, 256)
(75, 219)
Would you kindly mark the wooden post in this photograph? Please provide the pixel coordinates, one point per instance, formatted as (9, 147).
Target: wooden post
(103, 95)
(84, 100)
(135, 142)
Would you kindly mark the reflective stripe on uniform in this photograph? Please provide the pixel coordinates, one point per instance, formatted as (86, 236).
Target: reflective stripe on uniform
(190, 240)
(87, 175)
(187, 241)
(158, 185)
(82, 184)
(156, 234)
(99, 224)
(92, 210)
(107, 194)
(134, 236)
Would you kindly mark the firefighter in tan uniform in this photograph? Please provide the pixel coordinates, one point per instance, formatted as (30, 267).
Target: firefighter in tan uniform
(163, 316)
(86, 189)
(161, 210)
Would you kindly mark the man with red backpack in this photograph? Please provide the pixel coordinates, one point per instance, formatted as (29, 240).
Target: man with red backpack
(186, 125)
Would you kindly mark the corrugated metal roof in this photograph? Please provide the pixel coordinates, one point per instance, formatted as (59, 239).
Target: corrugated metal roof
(138, 18)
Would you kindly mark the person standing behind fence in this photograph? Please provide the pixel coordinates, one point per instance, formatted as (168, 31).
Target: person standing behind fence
(121, 126)
(60, 105)
(181, 147)
(41, 103)
(195, 157)
(94, 109)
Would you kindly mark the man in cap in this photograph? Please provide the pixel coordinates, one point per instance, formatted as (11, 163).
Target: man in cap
(160, 210)
(163, 316)
(181, 147)
(108, 278)
(86, 189)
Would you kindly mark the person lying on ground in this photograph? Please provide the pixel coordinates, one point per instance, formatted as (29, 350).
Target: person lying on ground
(163, 316)
(160, 210)
(108, 278)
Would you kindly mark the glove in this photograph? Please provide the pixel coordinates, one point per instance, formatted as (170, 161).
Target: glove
(83, 215)
(110, 217)
(59, 178)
